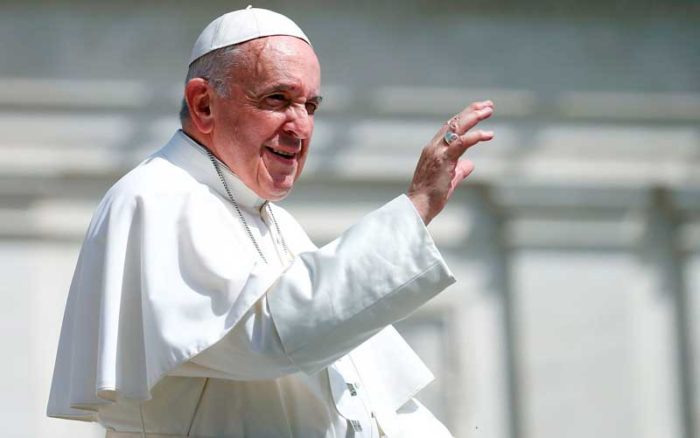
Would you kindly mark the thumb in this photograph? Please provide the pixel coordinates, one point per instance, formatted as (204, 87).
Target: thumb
(462, 170)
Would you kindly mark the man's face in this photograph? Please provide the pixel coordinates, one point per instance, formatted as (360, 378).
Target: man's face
(262, 130)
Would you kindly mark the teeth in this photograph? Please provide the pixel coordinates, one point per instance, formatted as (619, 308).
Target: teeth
(283, 153)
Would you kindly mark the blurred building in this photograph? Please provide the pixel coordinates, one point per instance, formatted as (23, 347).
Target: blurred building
(576, 242)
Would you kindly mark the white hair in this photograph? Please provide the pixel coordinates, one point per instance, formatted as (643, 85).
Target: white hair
(216, 67)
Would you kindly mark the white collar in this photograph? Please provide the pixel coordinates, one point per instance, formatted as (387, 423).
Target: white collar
(187, 153)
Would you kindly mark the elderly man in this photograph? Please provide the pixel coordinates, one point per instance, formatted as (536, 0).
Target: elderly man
(200, 308)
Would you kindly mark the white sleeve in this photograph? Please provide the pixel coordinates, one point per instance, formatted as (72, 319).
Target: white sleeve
(331, 300)
(252, 350)
(415, 420)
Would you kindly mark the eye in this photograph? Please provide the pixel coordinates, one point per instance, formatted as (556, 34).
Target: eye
(311, 108)
(276, 99)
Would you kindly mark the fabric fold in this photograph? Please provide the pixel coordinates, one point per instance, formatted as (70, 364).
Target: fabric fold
(157, 282)
(325, 311)
(167, 271)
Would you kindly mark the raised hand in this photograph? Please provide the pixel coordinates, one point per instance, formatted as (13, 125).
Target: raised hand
(440, 169)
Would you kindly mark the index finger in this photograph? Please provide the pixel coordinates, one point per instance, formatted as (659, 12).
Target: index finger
(470, 116)
(457, 148)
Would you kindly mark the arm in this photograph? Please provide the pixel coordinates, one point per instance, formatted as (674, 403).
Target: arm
(440, 169)
(331, 300)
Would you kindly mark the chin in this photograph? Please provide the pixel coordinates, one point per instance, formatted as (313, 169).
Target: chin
(275, 193)
(280, 188)
(276, 196)
(275, 188)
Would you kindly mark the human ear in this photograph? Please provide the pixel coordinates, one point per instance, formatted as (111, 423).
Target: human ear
(198, 97)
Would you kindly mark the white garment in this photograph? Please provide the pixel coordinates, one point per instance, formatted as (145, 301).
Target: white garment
(174, 324)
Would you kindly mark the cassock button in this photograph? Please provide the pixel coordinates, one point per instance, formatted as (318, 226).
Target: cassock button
(357, 427)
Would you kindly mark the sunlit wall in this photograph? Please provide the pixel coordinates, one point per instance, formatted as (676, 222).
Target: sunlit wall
(576, 242)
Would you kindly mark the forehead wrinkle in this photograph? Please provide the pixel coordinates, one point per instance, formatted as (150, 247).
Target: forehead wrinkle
(250, 55)
(285, 85)
(265, 58)
(261, 66)
(255, 53)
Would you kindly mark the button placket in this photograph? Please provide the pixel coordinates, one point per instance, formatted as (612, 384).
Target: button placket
(277, 242)
(349, 400)
(272, 238)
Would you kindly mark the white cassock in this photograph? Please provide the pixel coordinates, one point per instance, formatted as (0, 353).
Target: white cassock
(175, 326)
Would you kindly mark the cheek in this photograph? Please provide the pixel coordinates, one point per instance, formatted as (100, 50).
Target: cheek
(302, 161)
(265, 129)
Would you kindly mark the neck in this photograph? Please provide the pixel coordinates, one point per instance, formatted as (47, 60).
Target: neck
(202, 139)
(245, 196)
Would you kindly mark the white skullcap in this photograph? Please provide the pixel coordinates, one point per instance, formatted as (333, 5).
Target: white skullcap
(241, 26)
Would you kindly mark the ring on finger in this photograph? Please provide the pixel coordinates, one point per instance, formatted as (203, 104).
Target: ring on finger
(449, 137)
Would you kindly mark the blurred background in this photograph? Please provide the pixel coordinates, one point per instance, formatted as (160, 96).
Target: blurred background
(576, 242)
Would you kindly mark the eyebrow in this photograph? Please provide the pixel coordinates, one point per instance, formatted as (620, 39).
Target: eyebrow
(286, 87)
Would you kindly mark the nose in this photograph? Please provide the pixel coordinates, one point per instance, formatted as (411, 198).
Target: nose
(299, 123)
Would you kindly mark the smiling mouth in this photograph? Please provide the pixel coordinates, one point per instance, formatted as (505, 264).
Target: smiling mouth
(280, 153)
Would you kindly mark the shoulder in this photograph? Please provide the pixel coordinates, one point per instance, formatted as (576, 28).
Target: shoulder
(155, 176)
(156, 191)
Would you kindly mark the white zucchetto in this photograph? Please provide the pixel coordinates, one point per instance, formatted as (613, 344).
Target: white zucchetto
(243, 25)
